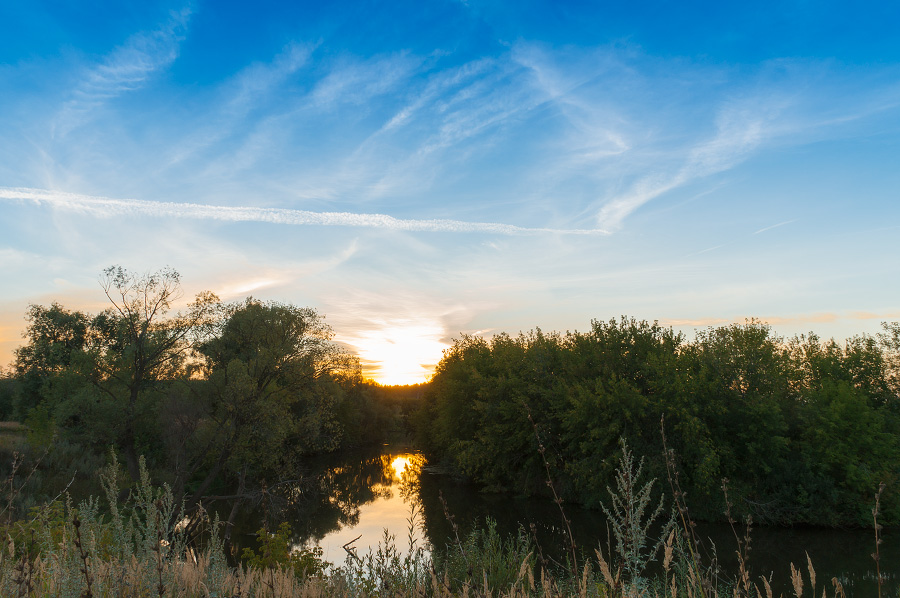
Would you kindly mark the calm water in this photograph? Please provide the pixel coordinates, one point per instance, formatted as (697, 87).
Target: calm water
(355, 498)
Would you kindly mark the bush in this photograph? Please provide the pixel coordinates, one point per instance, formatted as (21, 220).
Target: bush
(485, 559)
(276, 552)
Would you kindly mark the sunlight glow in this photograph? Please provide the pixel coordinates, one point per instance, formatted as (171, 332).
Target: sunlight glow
(400, 464)
(247, 286)
(399, 352)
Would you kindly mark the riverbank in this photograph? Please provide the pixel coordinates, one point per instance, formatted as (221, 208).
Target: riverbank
(431, 516)
(364, 496)
(68, 551)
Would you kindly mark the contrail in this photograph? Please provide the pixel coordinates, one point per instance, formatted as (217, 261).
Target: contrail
(104, 207)
(762, 230)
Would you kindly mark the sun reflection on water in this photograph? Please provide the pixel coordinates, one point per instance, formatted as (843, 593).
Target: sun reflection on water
(399, 465)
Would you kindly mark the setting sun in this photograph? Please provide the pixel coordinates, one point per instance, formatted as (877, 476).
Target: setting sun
(399, 353)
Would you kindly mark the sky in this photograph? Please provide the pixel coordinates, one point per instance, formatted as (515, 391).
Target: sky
(415, 171)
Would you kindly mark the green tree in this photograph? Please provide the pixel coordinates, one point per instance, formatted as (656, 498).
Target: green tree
(847, 442)
(740, 388)
(139, 346)
(889, 341)
(56, 339)
(103, 376)
(8, 391)
(272, 374)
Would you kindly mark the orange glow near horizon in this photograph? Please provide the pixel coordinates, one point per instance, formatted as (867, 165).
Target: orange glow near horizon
(399, 353)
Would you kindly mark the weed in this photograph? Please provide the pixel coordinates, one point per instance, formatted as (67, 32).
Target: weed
(631, 521)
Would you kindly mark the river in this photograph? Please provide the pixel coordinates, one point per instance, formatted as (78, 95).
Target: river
(353, 499)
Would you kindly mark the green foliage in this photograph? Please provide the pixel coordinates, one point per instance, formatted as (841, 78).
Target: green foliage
(136, 549)
(132, 549)
(41, 427)
(213, 396)
(273, 382)
(387, 570)
(803, 430)
(486, 559)
(275, 551)
(9, 389)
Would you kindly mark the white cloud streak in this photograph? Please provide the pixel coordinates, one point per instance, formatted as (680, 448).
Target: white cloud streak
(104, 207)
(124, 69)
(737, 137)
(248, 92)
(762, 230)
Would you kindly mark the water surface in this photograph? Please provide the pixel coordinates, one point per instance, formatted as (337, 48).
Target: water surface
(354, 498)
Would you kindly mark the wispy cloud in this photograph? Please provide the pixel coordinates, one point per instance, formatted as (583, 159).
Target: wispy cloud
(739, 134)
(762, 230)
(241, 281)
(104, 207)
(125, 69)
(358, 82)
(436, 124)
(707, 250)
(249, 91)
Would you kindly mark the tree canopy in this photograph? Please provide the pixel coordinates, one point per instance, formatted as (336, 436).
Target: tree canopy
(803, 430)
(217, 397)
(221, 398)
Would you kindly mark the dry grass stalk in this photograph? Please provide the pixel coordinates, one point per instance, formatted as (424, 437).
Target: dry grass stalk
(797, 581)
(838, 588)
(573, 554)
(812, 575)
(668, 552)
(584, 580)
(612, 582)
(678, 496)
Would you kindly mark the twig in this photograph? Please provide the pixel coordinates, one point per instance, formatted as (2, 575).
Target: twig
(10, 480)
(743, 551)
(352, 551)
(85, 569)
(556, 498)
(687, 524)
(454, 527)
(877, 554)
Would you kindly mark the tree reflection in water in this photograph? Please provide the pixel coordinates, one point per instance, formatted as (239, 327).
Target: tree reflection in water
(338, 499)
(356, 494)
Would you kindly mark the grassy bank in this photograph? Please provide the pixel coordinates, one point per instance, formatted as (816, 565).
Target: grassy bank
(142, 547)
(86, 559)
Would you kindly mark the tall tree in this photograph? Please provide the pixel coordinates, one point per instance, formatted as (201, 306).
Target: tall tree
(139, 345)
(56, 340)
(270, 369)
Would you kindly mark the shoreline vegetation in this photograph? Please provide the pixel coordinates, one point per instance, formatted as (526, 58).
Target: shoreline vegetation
(142, 547)
(224, 404)
(804, 431)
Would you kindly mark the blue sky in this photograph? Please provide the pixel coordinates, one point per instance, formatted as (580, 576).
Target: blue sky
(419, 170)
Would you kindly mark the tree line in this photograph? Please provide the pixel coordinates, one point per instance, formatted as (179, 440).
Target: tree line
(219, 399)
(800, 430)
(227, 399)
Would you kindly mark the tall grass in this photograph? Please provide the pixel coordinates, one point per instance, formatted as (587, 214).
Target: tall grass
(136, 549)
